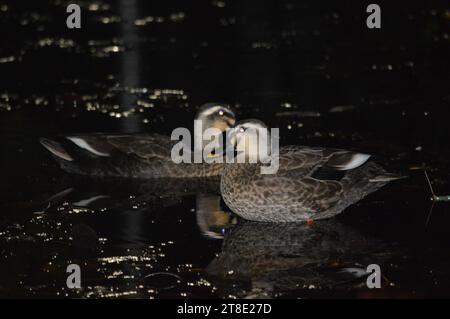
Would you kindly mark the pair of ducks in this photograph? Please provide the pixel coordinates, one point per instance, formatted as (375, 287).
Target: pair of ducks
(311, 182)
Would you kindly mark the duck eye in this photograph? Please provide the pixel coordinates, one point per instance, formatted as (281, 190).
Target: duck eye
(221, 112)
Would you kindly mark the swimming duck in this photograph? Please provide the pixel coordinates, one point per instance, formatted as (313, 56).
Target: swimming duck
(136, 155)
(311, 182)
(270, 258)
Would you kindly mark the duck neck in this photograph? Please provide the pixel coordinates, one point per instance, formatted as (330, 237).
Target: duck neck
(198, 136)
(200, 125)
(240, 171)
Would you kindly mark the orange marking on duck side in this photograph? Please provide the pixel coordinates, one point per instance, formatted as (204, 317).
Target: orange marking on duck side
(309, 221)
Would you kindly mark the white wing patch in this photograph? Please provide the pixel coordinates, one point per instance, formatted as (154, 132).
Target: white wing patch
(56, 149)
(349, 161)
(84, 145)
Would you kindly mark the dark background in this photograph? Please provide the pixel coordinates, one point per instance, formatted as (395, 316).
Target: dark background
(312, 68)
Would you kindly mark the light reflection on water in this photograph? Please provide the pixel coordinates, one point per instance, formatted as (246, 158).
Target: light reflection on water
(188, 245)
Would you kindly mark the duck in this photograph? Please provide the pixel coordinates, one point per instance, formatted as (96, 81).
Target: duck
(137, 155)
(311, 183)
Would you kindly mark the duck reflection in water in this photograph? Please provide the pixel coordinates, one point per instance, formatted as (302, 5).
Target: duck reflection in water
(135, 201)
(263, 258)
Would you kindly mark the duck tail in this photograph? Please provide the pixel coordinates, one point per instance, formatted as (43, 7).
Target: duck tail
(386, 178)
(56, 149)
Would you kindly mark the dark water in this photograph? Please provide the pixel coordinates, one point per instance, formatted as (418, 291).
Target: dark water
(311, 68)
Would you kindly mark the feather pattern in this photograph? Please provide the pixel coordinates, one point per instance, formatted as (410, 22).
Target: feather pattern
(136, 155)
(294, 193)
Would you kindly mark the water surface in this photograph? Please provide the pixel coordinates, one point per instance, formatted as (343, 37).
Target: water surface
(310, 68)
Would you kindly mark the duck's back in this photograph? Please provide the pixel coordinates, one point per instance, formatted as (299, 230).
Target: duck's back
(137, 156)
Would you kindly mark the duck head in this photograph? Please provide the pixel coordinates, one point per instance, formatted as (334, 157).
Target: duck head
(251, 140)
(213, 115)
(216, 115)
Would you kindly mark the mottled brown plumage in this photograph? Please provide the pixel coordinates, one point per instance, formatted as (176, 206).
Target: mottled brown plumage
(311, 183)
(135, 155)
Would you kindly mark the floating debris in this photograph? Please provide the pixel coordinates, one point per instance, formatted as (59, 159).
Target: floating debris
(436, 198)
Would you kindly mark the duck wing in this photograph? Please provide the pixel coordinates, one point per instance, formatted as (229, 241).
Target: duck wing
(316, 162)
(144, 146)
(297, 183)
(148, 147)
(302, 194)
